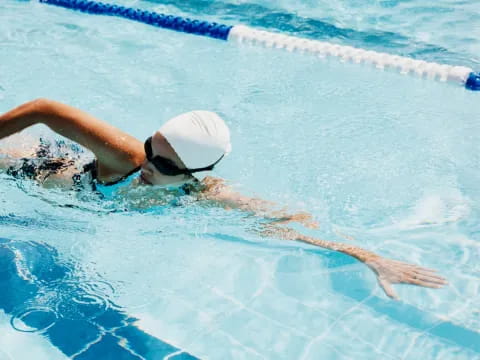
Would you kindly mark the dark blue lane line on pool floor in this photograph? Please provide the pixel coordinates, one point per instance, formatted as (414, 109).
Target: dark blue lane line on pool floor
(401, 312)
(111, 334)
(114, 334)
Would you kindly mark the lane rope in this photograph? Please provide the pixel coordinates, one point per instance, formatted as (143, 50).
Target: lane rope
(462, 75)
(177, 23)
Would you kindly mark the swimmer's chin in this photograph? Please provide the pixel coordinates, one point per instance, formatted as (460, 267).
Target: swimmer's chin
(141, 181)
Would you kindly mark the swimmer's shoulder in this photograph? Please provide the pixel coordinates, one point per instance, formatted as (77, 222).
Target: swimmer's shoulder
(212, 188)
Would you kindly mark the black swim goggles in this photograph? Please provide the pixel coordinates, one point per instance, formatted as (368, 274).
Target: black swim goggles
(167, 166)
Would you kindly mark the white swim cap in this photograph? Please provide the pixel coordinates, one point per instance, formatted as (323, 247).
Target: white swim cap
(200, 139)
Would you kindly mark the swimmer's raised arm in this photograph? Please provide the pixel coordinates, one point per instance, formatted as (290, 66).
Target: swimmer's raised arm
(388, 271)
(117, 152)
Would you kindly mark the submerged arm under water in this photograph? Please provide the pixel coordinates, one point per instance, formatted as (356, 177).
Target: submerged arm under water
(388, 271)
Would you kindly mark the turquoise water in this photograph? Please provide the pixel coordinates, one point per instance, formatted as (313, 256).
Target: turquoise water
(446, 31)
(382, 161)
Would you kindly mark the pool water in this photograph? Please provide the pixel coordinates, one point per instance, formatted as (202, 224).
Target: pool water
(445, 31)
(382, 161)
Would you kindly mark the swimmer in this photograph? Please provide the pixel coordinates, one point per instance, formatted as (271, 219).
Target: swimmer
(181, 154)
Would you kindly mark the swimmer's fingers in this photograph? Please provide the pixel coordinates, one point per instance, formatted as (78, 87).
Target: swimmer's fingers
(396, 272)
(435, 282)
(302, 218)
(423, 283)
(425, 277)
(413, 267)
(387, 287)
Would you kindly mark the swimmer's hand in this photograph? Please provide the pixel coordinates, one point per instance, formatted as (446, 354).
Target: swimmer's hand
(391, 272)
(388, 271)
(302, 218)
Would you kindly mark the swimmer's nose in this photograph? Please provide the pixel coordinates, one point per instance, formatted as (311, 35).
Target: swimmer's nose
(146, 167)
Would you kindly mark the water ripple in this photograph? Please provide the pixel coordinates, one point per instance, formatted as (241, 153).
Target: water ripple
(84, 300)
(34, 319)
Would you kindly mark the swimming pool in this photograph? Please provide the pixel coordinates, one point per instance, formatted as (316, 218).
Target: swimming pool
(383, 161)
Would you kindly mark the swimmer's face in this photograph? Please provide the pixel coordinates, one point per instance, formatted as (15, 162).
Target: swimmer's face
(150, 174)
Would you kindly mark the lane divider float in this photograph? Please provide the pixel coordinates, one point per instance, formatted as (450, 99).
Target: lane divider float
(462, 75)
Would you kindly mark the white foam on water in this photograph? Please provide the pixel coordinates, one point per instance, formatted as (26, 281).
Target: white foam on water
(435, 208)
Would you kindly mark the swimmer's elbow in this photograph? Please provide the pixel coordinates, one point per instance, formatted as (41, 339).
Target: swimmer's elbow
(21, 117)
(46, 111)
(40, 105)
(39, 101)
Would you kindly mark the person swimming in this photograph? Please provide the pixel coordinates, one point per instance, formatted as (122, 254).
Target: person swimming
(181, 153)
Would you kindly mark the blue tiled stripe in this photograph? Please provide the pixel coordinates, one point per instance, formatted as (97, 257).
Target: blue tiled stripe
(110, 335)
(401, 312)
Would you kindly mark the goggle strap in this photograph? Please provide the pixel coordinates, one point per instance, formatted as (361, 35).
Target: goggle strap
(207, 168)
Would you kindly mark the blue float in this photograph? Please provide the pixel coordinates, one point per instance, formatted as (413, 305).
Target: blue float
(177, 23)
(473, 82)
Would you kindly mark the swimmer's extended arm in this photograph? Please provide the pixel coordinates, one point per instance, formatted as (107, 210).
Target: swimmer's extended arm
(222, 195)
(388, 271)
(117, 152)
